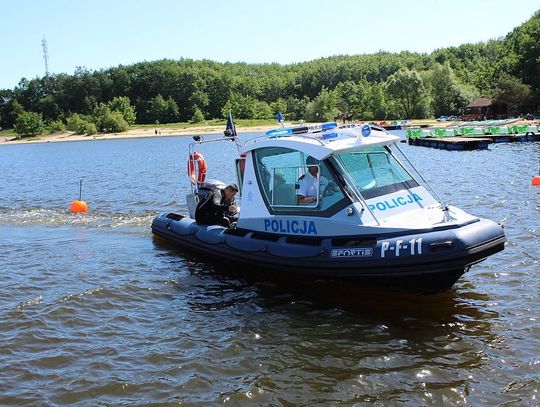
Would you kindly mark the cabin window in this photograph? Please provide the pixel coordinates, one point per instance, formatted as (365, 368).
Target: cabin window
(375, 172)
(281, 173)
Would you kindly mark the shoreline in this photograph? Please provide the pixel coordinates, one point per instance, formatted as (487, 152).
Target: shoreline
(133, 133)
(176, 131)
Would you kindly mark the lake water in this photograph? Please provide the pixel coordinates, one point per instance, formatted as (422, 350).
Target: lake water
(94, 311)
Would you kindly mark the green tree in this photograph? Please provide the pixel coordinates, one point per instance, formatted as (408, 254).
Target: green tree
(78, 124)
(56, 126)
(99, 115)
(10, 109)
(171, 112)
(296, 108)
(522, 53)
(242, 107)
(122, 105)
(108, 121)
(90, 128)
(323, 107)
(377, 105)
(448, 96)
(278, 106)
(262, 110)
(353, 98)
(49, 108)
(407, 89)
(198, 116)
(171, 90)
(219, 88)
(159, 110)
(156, 111)
(29, 124)
(113, 122)
(514, 93)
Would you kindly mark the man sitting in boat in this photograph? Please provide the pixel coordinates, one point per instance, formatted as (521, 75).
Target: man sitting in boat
(217, 207)
(311, 185)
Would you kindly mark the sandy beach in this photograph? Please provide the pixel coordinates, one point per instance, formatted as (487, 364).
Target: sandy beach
(133, 133)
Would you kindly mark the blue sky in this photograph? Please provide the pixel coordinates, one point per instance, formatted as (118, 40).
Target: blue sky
(100, 34)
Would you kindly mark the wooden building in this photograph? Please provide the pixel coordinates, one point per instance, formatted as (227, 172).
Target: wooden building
(485, 109)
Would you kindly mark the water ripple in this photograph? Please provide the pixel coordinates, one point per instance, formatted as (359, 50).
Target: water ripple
(93, 311)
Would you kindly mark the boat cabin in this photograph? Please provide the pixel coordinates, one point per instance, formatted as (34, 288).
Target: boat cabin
(354, 178)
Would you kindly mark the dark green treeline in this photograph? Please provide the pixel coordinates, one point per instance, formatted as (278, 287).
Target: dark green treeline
(377, 86)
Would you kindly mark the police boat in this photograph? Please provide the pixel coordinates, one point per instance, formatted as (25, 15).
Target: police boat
(368, 219)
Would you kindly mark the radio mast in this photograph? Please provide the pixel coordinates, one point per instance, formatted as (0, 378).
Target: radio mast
(45, 55)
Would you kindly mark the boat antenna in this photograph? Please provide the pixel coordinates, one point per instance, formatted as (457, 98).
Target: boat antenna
(443, 203)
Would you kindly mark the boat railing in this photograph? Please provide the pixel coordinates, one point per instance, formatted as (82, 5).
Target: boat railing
(198, 140)
(312, 132)
(307, 136)
(315, 132)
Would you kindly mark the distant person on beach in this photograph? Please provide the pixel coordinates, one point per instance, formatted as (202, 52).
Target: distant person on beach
(217, 207)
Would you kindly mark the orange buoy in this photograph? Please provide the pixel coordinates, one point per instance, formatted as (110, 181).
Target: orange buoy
(78, 207)
(536, 181)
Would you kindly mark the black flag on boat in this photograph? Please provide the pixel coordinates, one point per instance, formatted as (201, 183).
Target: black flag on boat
(230, 130)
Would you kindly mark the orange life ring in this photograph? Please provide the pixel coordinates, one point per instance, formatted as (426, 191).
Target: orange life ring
(198, 174)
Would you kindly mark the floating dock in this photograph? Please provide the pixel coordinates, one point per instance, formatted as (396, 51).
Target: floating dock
(471, 138)
(452, 143)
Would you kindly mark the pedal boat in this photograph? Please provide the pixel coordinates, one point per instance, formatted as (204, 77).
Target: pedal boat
(372, 220)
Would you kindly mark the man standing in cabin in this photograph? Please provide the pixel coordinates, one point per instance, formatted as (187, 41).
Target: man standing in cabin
(217, 207)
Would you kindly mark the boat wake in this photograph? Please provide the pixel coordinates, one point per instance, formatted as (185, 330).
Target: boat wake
(62, 217)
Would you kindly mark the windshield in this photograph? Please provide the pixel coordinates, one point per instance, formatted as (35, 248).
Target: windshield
(291, 182)
(375, 171)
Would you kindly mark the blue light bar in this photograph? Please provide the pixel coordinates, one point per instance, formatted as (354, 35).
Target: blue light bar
(327, 136)
(285, 131)
(329, 126)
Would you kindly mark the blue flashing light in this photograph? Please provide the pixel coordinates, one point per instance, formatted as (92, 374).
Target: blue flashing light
(327, 136)
(366, 130)
(279, 132)
(279, 117)
(329, 126)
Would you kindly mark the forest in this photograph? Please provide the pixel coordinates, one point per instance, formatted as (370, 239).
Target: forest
(381, 86)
